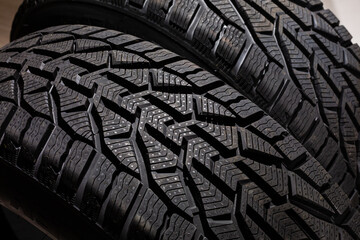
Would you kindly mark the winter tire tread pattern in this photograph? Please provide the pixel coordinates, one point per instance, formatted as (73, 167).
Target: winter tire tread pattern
(148, 145)
(290, 57)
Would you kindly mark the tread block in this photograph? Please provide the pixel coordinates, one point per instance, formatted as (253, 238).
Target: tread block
(226, 135)
(355, 50)
(301, 13)
(107, 89)
(337, 198)
(283, 223)
(336, 50)
(326, 95)
(30, 59)
(132, 79)
(53, 157)
(253, 198)
(184, 67)
(70, 98)
(275, 177)
(319, 24)
(348, 184)
(321, 229)
(113, 124)
(6, 73)
(337, 169)
(292, 149)
(349, 131)
(59, 48)
(208, 28)
(182, 103)
(286, 23)
(7, 110)
(231, 44)
(351, 62)
(97, 183)
(61, 29)
(157, 10)
(209, 108)
(152, 116)
(333, 120)
(85, 30)
(328, 152)
(161, 55)
(270, 43)
(163, 80)
(258, 22)
(314, 172)
(245, 108)
(214, 201)
(317, 139)
(105, 34)
(25, 44)
(202, 152)
(351, 153)
(34, 140)
(304, 79)
(17, 126)
(269, 128)
(182, 13)
(160, 157)
(203, 79)
(33, 83)
(39, 102)
(303, 191)
(252, 67)
(285, 106)
(271, 83)
(11, 138)
(224, 229)
(304, 121)
(125, 153)
(343, 33)
(80, 123)
(82, 45)
(172, 186)
(123, 39)
(120, 58)
(55, 37)
(225, 94)
(75, 167)
(228, 12)
(293, 54)
(93, 59)
(122, 195)
(8, 90)
(253, 143)
(228, 172)
(133, 101)
(179, 131)
(142, 47)
(149, 215)
(179, 228)
(329, 16)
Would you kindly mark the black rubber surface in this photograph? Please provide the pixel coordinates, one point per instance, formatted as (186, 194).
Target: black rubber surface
(291, 57)
(140, 144)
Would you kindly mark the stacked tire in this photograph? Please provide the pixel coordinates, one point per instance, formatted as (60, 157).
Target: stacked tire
(243, 124)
